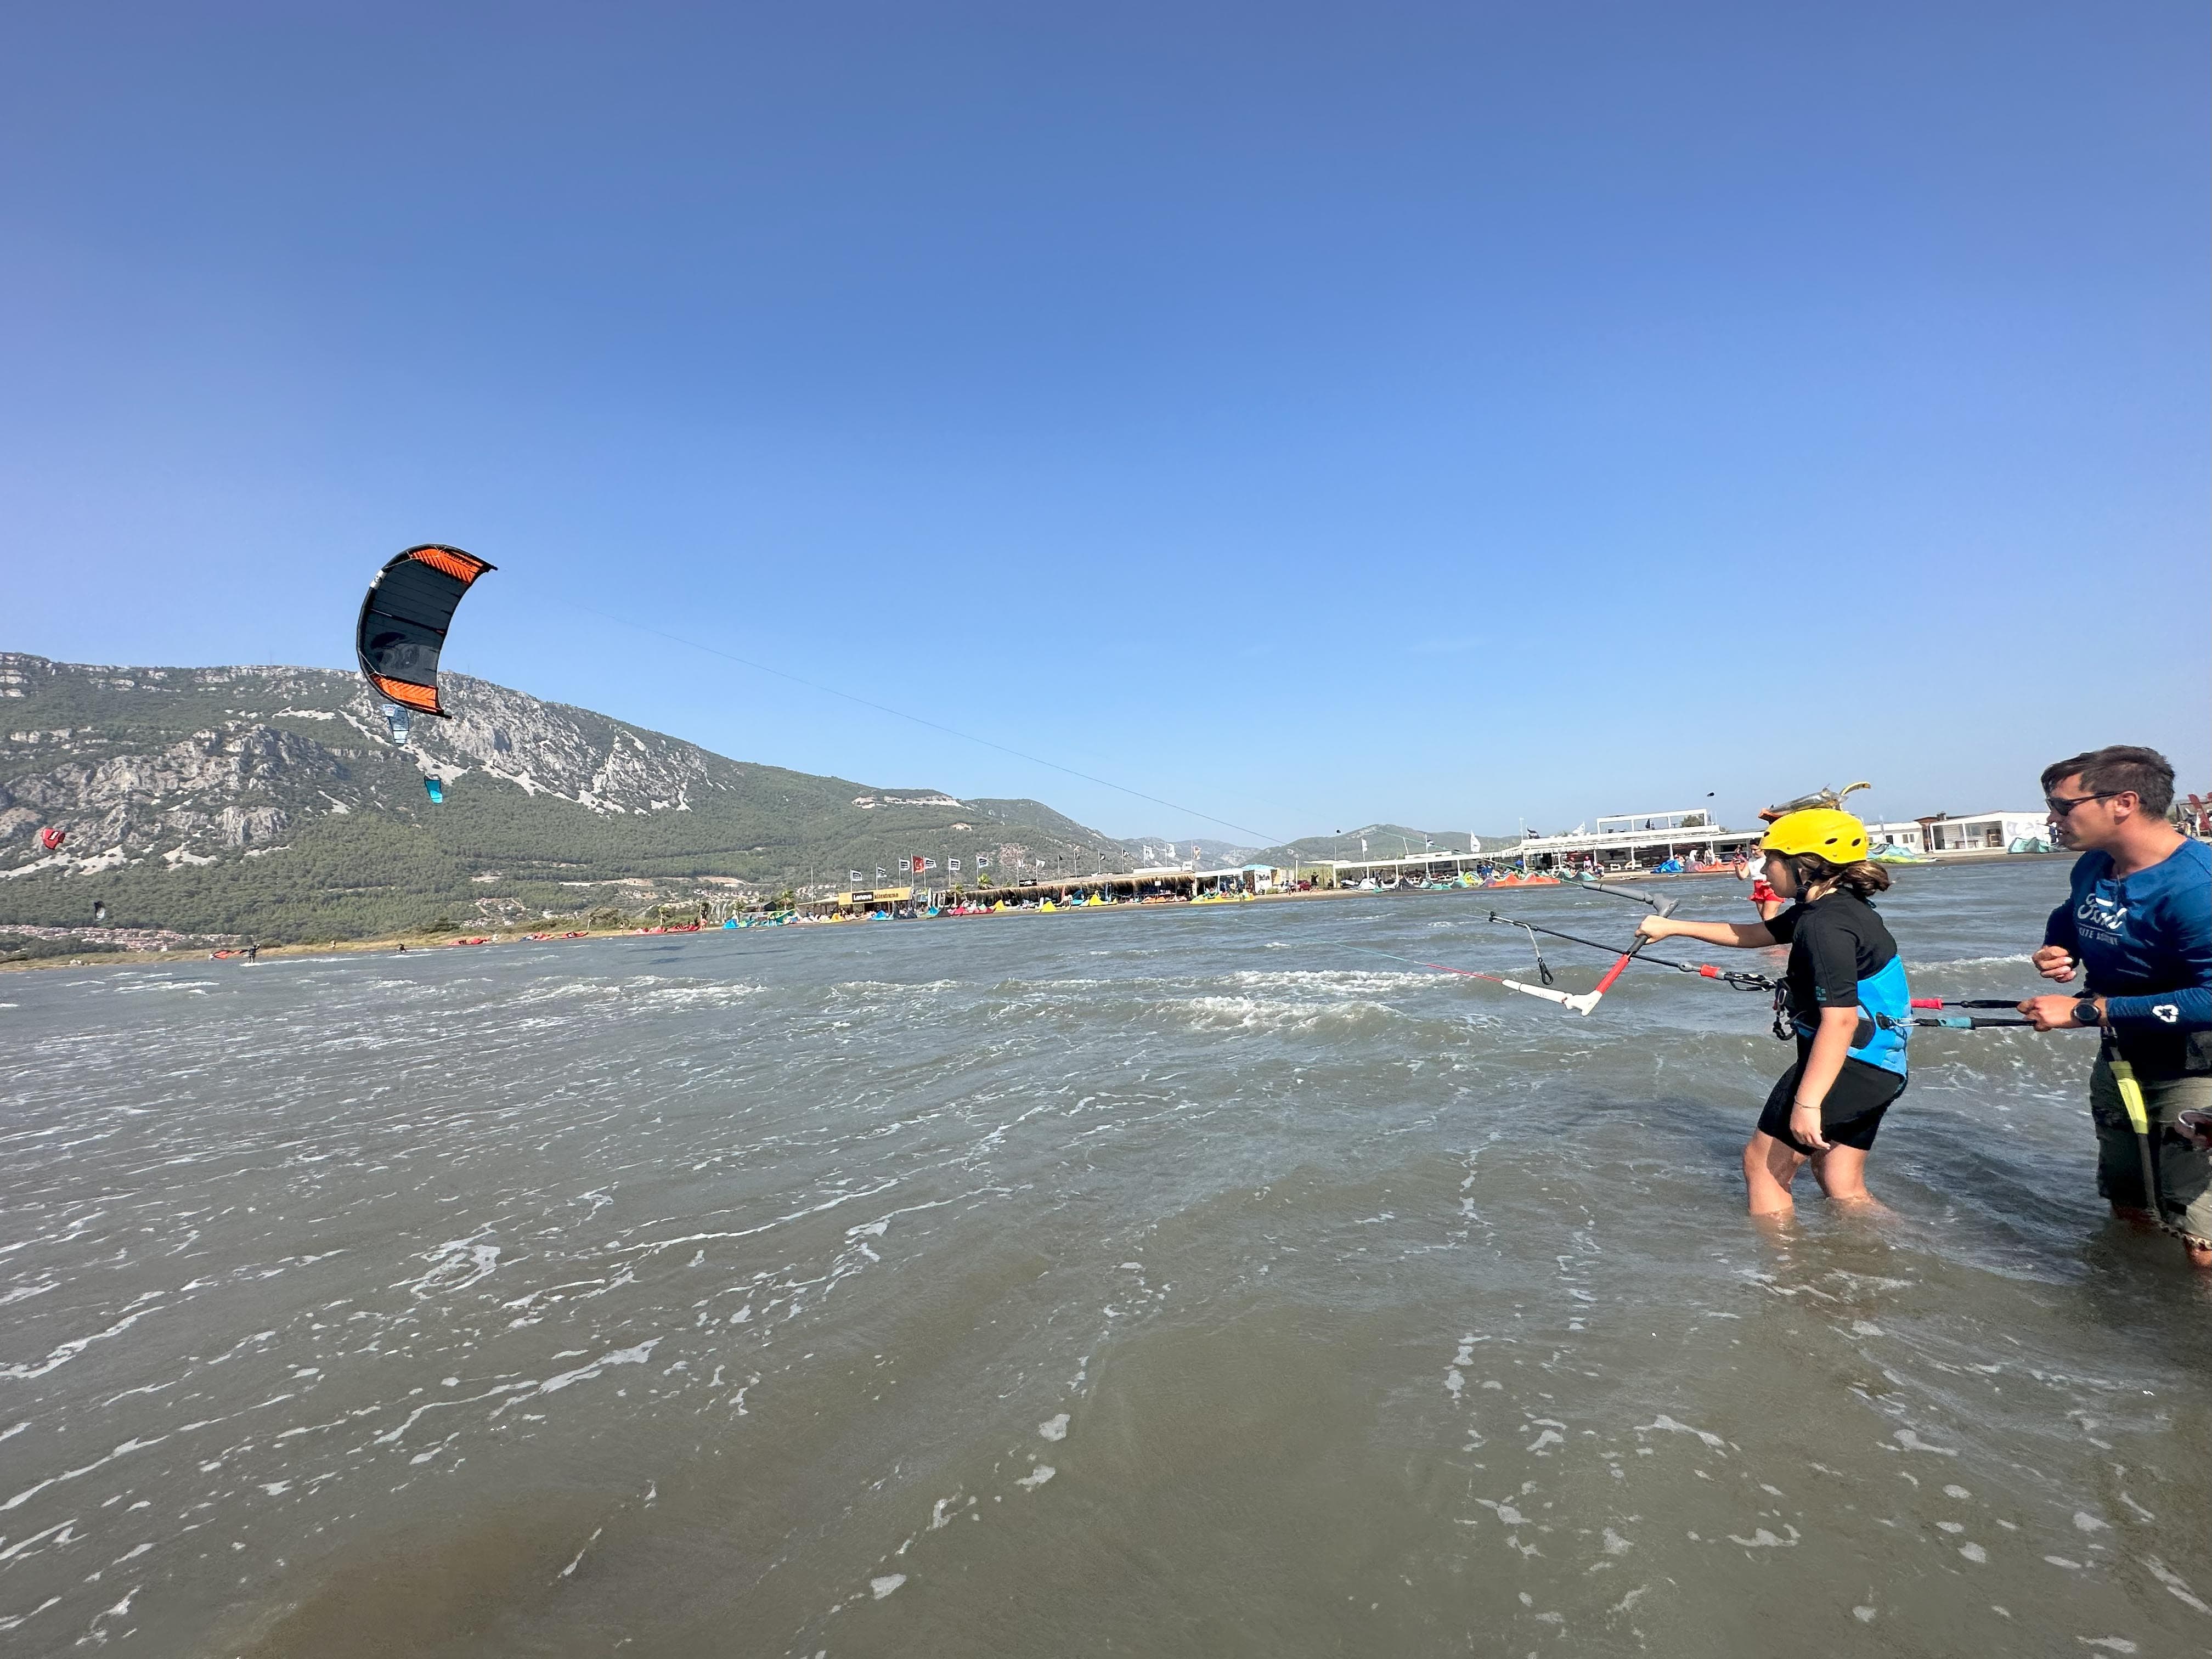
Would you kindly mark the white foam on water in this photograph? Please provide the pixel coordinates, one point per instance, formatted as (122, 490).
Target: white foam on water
(636, 1356)
(1667, 1424)
(2176, 1585)
(1257, 1014)
(880, 1587)
(456, 1265)
(59, 1535)
(69, 1350)
(1054, 1428)
(570, 1570)
(713, 996)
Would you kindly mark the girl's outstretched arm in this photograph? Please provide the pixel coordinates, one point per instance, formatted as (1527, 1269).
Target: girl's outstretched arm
(1737, 935)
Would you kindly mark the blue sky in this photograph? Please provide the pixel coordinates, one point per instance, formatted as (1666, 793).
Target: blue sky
(1452, 415)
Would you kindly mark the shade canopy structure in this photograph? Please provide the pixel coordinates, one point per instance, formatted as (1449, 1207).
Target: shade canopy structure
(403, 620)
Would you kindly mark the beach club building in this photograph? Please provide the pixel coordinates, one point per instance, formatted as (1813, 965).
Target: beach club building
(1636, 841)
(1976, 832)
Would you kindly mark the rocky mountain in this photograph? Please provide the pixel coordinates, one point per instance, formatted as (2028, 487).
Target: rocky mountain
(271, 800)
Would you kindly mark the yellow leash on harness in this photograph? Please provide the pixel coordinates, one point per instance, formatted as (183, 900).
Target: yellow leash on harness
(2131, 1097)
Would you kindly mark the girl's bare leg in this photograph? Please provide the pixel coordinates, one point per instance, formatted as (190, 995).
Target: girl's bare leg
(1769, 1167)
(1841, 1171)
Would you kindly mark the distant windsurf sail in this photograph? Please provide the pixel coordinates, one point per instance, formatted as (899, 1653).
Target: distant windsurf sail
(403, 621)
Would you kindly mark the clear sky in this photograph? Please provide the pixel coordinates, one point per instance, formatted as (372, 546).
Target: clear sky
(1451, 414)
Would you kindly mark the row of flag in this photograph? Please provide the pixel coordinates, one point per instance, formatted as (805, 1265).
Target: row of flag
(920, 866)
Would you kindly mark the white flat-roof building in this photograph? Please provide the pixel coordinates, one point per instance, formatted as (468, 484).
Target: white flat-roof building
(1636, 841)
(1973, 832)
(1907, 835)
(1621, 823)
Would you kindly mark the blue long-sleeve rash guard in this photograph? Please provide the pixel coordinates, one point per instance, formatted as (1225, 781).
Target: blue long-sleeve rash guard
(2146, 940)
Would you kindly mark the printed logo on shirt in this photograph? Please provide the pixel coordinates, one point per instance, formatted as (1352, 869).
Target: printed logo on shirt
(2167, 1012)
(2106, 915)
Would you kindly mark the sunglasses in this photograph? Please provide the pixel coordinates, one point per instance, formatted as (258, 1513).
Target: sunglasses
(2061, 808)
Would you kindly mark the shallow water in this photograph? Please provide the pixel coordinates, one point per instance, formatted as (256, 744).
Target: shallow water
(1161, 1282)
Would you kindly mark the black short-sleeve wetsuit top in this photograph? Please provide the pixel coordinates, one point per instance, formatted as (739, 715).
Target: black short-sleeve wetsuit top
(1834, 943)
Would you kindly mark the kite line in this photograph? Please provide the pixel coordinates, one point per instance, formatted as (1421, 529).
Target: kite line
(935, 725)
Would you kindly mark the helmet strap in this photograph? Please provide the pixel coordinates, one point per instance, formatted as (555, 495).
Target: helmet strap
(1812, 892)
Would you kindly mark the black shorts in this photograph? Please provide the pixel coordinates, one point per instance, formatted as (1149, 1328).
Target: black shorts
(1849, 1117)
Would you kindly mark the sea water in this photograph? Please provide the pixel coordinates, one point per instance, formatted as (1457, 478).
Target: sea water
(1136, 1281)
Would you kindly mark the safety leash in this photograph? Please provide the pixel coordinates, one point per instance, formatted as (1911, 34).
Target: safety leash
(2131, 1098)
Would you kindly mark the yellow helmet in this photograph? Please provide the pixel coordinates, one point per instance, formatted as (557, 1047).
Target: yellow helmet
(1822, 830)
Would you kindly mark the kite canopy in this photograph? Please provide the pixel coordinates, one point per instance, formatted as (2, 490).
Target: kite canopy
(403, 621)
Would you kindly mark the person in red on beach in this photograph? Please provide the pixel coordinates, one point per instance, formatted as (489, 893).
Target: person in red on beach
(1764, 899)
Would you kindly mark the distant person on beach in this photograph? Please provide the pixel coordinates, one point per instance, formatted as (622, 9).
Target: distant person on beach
(1764, 899)
(1844, 998)
(2139, 921)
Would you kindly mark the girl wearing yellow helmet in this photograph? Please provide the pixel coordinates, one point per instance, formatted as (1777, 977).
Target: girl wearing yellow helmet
(1843, 999)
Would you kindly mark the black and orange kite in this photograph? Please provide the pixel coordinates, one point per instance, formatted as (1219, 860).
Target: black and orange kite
(404, 622)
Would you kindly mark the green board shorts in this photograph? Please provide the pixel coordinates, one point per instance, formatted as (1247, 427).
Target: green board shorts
(2185, 1174)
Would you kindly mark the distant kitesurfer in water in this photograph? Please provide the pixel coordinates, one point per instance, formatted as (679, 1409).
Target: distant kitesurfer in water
(2139, 918)
(1844, 998)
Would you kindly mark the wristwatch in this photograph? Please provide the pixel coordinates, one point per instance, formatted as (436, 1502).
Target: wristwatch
(2085, 1012)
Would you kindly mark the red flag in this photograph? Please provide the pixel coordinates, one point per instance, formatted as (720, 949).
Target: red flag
(917, 862)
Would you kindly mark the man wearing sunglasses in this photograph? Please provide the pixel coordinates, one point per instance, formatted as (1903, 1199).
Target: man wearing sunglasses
(2139, 920)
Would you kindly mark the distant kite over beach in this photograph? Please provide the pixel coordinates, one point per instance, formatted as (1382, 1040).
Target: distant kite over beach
(403, 621)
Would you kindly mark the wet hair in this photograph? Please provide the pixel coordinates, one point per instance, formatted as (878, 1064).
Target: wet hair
(1860, 878)
(2119, 768)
